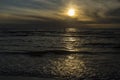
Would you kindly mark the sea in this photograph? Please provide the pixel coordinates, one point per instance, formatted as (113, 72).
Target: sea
(60, 53)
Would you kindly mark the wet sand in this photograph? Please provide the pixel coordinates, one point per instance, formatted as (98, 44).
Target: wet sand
(70, 66)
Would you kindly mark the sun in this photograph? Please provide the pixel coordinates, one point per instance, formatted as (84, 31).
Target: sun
(71, 12)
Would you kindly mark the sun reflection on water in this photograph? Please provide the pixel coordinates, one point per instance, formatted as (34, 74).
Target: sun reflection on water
(71, 41)
(71, 30)
(69, 65)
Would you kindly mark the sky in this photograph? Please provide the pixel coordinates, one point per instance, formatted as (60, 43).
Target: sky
(87, 11)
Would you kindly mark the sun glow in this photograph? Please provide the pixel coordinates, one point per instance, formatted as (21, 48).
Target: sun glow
(71, 12)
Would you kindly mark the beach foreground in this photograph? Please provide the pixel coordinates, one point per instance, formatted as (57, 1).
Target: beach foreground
(61, 67)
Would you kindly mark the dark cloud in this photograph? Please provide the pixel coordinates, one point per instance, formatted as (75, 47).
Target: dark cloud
(112, 16)
(114, 13)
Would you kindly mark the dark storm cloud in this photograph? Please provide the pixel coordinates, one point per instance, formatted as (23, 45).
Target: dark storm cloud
(96, 11)
(114, 13)
(41, 4)
(111, 16)
(16, 8)
(100, 10)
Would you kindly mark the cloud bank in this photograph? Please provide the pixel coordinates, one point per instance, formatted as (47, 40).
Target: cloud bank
(96, 11)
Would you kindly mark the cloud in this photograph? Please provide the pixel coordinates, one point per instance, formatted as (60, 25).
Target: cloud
(98, 11)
